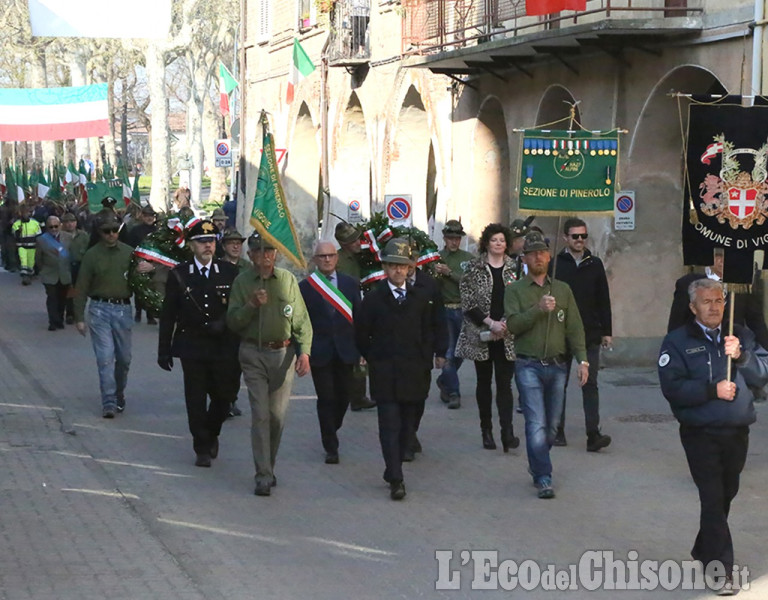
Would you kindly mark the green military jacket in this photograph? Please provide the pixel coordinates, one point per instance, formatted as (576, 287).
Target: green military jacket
(103, 273)
(539, 334)
(449, 284)
(348, 264)
(283, 317)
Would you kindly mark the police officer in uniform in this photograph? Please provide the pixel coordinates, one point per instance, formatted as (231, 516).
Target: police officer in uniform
(193, 328)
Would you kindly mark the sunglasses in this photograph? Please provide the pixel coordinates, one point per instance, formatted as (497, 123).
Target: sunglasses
(110, 230)
(579, 236)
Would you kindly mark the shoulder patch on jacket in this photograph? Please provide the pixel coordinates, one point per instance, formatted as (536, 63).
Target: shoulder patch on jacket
(664, 359)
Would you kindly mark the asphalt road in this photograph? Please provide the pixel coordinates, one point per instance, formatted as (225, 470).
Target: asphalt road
(91, 508)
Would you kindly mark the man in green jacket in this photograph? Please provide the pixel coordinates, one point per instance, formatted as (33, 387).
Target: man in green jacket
(267, 311)
(103, 280)
(542, 314)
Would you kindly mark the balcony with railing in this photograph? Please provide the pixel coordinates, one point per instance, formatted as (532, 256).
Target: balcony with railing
(350, 37)
(436, 30)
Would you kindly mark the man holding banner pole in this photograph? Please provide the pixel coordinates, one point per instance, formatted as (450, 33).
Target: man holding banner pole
(332, 299)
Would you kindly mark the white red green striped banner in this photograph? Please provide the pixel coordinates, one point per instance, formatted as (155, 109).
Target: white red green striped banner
(301, 67)
(372, 277)
(34, 115)
(427, 257)
(155, 256)
(330, 292)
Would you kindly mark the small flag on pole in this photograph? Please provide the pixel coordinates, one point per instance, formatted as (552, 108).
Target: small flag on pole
(301, 67)
(227, 83)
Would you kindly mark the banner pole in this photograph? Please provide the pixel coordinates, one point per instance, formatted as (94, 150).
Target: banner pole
(554, 271)
(732, 301)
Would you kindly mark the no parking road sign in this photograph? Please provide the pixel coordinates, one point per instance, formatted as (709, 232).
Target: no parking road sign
(624, 211)
(398, 209)
(353, 212)
(223, 153)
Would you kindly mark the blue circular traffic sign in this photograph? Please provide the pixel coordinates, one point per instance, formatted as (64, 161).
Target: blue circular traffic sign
(222, 149)
(398, 209)
(624, 204)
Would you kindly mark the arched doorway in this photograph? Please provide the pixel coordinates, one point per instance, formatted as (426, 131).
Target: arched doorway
(300, 174)
(490, 168)
(350, 175)
(409, 155)
(649, 259)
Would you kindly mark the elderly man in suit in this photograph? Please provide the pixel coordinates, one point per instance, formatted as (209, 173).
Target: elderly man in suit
(332, 300)
(395, 333)
(52, 261)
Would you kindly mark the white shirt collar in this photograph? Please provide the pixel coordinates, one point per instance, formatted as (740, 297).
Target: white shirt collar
(393, 287)
(200, 266)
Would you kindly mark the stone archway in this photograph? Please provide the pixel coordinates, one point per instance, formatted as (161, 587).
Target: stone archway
(300, 175)
(409, 156)
(648, 260)
(350, 174)
(555, 107)
(491, 172)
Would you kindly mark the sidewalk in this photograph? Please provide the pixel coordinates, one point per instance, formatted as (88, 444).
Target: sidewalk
(91, 508)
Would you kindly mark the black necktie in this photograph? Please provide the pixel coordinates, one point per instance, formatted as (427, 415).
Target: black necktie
(713, 334)
(400, 295)
(204, 272)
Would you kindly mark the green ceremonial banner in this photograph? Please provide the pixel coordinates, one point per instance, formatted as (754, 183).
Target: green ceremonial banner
(566, 173)
(99, 190)
(270, 215)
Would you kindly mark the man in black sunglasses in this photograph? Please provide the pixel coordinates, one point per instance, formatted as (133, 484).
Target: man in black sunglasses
(585, 274)
(102, 279)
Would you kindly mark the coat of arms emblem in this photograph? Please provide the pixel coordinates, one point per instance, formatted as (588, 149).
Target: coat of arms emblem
(736, 196)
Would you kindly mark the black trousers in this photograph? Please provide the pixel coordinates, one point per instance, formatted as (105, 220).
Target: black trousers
(716, 461)
(397, 422)
(589, 393)
(505, 369)
(204, 378)
(332, 385)
(55, 303)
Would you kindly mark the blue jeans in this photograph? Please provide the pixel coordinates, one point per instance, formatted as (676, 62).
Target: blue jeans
(449, 378)
(541, 389)
(110, 327)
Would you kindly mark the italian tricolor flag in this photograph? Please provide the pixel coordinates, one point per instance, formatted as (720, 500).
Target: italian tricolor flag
(38, 114)
(227, 83)
(301, 67)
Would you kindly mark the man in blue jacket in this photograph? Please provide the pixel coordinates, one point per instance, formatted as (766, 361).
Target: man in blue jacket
(714, 413)
(332, 299)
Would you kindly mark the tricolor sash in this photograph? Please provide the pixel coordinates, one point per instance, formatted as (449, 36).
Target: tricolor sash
(330, 292)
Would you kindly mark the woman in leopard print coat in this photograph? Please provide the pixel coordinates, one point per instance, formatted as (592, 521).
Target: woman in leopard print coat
(482, 302)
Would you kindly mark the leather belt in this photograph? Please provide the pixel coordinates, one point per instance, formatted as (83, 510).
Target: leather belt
(551, 360)
(111, 300)
(453, 305)
(276, 345)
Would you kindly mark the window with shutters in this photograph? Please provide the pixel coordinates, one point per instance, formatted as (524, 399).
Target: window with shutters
(265, 20)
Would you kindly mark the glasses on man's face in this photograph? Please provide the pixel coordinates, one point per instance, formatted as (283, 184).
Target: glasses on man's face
(579, 236)
(325, 256)
(53, 226)
(107, 231)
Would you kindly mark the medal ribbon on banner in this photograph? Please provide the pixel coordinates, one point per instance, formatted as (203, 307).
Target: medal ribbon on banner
(331, 293)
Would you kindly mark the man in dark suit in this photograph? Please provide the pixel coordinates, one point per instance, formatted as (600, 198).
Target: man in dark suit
(52, 261)
(332, 299)
(395, 333)
(193, 328)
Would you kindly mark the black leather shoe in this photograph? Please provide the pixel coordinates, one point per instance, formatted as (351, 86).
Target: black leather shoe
(488, 442)
(409, 456)
(509, 440)
(332, 458)
(120, 404)
(263, 488)
(203, 460)
(560, 438)
(597, 441)
(454, 401)
(234, 411)
(52, 328)
(214, 448)
(397, 490)
(273, 483)
(364, 403)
